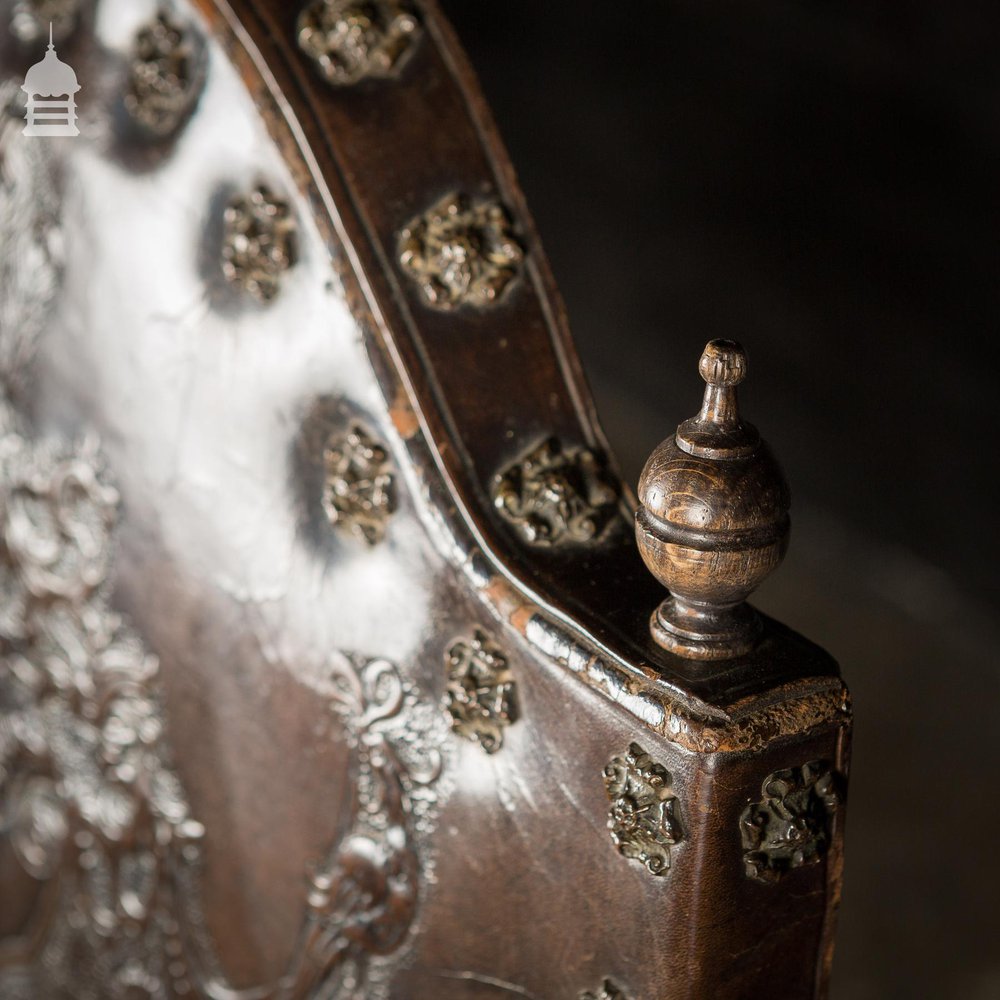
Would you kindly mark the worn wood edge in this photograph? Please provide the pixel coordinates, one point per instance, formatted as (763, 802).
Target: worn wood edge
(792, 710)
(749, 724)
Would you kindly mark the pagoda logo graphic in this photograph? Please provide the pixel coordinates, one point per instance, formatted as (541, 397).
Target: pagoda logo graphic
(51, 86)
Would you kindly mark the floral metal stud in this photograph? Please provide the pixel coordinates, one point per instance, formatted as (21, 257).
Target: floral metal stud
(353, 39)
(481, 691)
(358, 494)
(554, 495)
(461, 252)
(643, 816)
(258, 243)
(164, 76)
(790, 826)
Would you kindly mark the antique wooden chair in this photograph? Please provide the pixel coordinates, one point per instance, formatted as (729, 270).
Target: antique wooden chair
(331, 666)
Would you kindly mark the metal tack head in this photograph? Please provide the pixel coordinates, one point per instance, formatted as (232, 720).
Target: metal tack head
(353, 40)
(713, 519)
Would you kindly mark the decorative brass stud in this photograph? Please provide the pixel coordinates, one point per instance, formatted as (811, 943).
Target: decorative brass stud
(554, 495)
(643, 816)
(259, 242)
(461, 252)
(481, 694)
(790, 827)
(359, 491)
(350, 40)
(164, 76)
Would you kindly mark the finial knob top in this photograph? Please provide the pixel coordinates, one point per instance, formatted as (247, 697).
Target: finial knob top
(718, 431)
(713, 518)
(723, 363)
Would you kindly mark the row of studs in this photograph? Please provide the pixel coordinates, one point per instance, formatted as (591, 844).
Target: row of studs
(463, 253)
(551, 494)
(460, 253)
(790, 826)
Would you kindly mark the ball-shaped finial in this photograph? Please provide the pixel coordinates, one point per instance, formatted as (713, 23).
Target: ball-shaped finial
(713, 519)
(723, 363)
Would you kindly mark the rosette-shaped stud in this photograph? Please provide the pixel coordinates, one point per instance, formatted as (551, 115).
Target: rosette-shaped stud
(713, 519)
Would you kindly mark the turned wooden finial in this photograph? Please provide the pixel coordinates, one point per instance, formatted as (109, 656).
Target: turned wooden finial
(713, 519)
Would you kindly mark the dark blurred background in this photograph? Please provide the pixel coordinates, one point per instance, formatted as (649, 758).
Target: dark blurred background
(820, 181)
